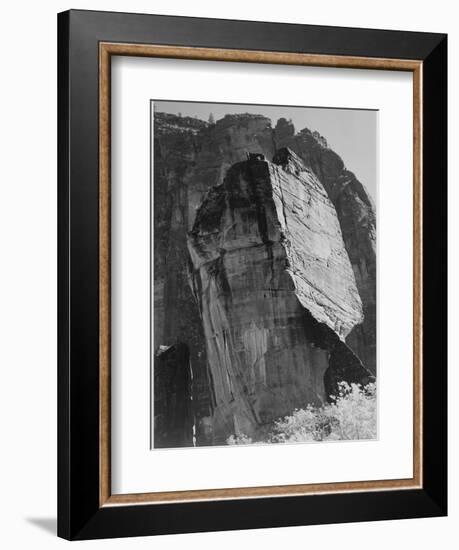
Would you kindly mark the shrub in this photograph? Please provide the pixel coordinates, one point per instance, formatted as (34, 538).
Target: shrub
(351, 415)
(354, 412)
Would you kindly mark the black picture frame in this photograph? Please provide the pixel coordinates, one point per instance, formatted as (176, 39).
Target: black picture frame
(80, 515)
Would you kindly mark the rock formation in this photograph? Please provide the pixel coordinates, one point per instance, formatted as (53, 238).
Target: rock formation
(176, 316)
(356, 214)
(190, 156)
(276, 292)
(311, 317)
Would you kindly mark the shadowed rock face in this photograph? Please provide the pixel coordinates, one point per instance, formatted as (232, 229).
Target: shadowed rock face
(276, 292)
(191, 157)
(173, 405)
(176, 315)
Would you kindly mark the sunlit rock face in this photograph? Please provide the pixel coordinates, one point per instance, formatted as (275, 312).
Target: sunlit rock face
(356, 214)
(275, 289)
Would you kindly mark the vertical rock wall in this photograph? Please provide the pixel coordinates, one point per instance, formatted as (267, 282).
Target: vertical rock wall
(276, 292)
(356, 214)
(190, 157)
(176, 316)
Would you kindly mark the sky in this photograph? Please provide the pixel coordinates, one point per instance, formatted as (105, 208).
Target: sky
(352, 133)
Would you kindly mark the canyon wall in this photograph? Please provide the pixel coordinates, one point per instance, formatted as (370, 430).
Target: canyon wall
(310, 301)
(175, 312)
(356, 214)
(276, 292)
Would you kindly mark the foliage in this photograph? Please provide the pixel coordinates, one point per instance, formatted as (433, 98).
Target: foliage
(351, 415)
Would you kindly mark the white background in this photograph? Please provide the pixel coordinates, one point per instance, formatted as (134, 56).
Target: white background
(135, 468)
(28, 273)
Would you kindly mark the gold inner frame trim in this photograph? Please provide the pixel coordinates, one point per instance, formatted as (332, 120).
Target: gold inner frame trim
(106, 51)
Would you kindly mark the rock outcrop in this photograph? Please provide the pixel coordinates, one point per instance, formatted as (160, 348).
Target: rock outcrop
(191, 157)
(275, 289)
(356, 214)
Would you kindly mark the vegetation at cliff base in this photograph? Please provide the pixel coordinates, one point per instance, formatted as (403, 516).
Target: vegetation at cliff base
(351, 415)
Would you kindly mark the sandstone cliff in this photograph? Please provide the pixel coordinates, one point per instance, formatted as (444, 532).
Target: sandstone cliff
(191, 156)
(356, 214)
(176, 316)
(191, 161)
(276, 292)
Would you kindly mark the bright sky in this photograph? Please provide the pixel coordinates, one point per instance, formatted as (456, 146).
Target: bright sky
(352, 133)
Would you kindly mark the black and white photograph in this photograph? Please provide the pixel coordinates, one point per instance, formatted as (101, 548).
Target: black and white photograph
(229, 308)
(263, 274)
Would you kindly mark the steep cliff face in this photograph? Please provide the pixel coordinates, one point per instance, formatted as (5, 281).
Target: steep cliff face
(191, 157)
(176, 316)
(356, 214)
(276, 292)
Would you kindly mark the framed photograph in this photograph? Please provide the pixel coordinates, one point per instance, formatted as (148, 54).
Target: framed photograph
(252, 274)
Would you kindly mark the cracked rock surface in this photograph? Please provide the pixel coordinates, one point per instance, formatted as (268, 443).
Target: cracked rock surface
(275, 289)
(318, 219)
